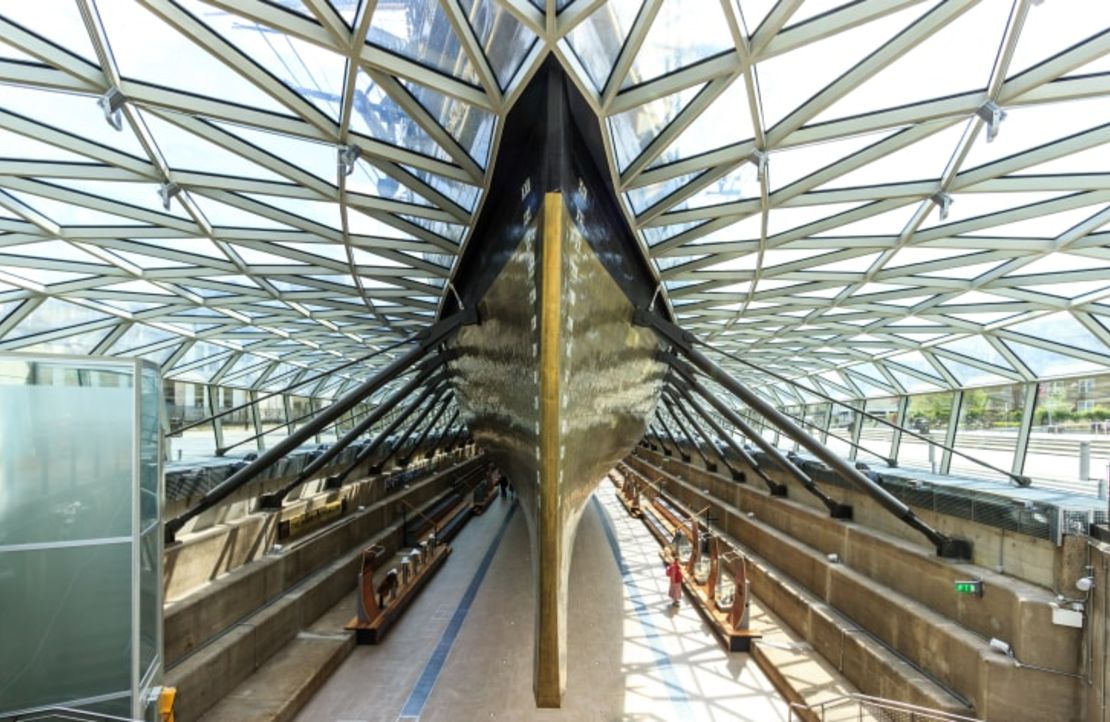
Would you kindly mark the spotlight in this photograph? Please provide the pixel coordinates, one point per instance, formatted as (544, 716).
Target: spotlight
(1001, 647)
(759, 160)
(944, 202)
(111, 103)
(348, 154)
(993, 116)
(1085, 584)
(167, 191)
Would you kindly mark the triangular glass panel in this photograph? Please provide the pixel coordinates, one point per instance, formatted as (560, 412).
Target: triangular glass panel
(148, 49)
(81, 344)
(465, 195)
(976, 206)
(925, 159)
(657, 234)
(634, 129)
(51, 250)
(470, 126)
(787, 80)
(915, 255)
(794, 163)
(256, 257)
(310, 156)
(452, 231)
(684, 32)
(1088, 160)
(142, 195)
(146, 262)
(219, 213)
(912, 384)
(978, 348)
(1043, 362)
(62, 26)
(597, 41)
(378, 116)
(71, 214)
(139, 336)
(325, 213)
(957, 58)
(885, 223)
(504, 39)
(78, 115)
(726, 121)
(1051, 30)
(420, 30)
(313, 72)
(1031, 126)
(644, 197)
(781, 220)
(737, 185)
(52, 315)
(1040, 225)
(1061, 328)
(183, 150)
(970, 375)
(31, 149)
(369, 180)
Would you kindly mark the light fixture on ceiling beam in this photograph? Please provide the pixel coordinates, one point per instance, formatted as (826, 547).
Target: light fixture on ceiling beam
(112, 104)
(993, 116)
(167, 191)
(942, 201)
(759, 159)
(348, 154)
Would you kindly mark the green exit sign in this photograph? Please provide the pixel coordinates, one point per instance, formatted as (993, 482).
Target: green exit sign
(971, 586)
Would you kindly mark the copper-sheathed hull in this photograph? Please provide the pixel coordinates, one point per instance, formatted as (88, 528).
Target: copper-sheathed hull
(556, 384)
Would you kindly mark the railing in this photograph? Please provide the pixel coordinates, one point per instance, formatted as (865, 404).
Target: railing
(64, 714)
(862, 707)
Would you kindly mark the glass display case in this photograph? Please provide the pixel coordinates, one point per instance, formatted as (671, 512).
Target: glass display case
(701, 570)
(682, 547)
(725, 592)
(80, 534)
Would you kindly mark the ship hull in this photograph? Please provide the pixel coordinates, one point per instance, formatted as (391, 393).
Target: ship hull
(556, 385)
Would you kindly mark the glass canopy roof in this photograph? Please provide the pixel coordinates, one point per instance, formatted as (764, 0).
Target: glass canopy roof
(885, 195)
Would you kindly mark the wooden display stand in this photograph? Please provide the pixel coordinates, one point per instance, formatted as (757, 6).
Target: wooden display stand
(663, 520)
(380, 607)
(628, 491)
(482, 502)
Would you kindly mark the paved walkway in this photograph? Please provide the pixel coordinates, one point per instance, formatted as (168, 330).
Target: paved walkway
(463, 651)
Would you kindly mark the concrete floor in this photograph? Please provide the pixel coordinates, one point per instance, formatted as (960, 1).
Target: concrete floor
(463, 651)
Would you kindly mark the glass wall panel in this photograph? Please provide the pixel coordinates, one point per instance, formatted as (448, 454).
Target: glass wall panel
(841, 424)
(928, 415)
(988, 429)
(62, 477)
(186, 403)
(876, 436)
(817, 420)
(66, 624)
(271, 414)
(80, 472)
(1070, 440)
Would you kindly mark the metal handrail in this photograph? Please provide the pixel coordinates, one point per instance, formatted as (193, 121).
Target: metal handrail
(866, 703)
(66, 713)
